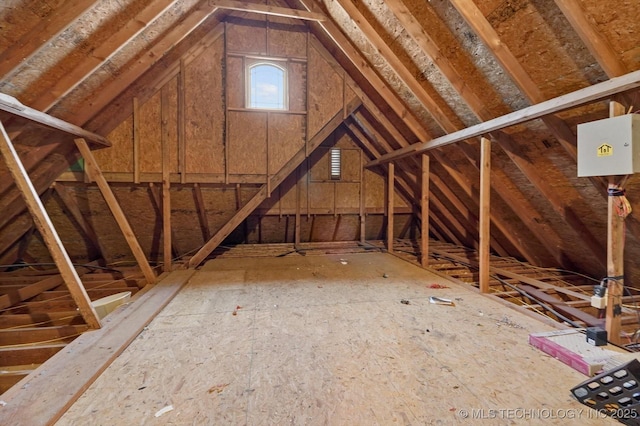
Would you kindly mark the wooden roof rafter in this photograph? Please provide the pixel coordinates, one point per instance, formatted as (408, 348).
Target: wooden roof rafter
(117, 42)
(595, 41)
(31, 42)
(330, 30)
(432, 50)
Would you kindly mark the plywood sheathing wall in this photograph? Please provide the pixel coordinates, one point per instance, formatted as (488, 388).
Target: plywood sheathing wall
(229, 151)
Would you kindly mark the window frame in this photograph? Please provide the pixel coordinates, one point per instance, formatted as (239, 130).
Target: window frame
(251, 63)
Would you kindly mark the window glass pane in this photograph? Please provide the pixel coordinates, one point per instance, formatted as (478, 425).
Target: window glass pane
(267, 87)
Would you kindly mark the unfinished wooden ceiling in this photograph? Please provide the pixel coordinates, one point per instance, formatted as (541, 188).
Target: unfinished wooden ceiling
(420, 69)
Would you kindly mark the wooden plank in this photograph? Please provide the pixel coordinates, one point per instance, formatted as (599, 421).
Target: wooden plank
(47, 230)
(362, 204)
(574, 99)
(296, 237)
(561, 306)
(15, 107)
(245, 6)
(166, 185)
(615, 253)
(485, 218)
(96, 174)
(182, 141)
(11, 298)
(136, 140)
(390, 205)
(157, 206)
(71, 372)
(424, 211)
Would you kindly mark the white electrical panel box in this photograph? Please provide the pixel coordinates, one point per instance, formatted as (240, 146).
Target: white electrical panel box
(610, 146)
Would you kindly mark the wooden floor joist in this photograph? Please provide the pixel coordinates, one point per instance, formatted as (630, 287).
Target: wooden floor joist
(43, 396)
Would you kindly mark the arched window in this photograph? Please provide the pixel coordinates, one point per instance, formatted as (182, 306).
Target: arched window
(266, 86)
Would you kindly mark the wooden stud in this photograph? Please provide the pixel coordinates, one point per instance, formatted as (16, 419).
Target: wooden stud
(47, 231)
(182, 140)
(424, 212)
(166, 184)
(615, 255)
(96, 174)
(298, 197)
(390, 205)
(485, 219)
(226, 122)
(363, 229)
(136, 141)
(156, 201)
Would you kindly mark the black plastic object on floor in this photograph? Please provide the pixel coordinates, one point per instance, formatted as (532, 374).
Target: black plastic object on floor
(615, 392)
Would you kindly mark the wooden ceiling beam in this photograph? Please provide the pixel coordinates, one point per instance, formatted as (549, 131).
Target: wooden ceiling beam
(245, 6)
(591, 36)
(31, 42)
(407, 77)
(481, 26)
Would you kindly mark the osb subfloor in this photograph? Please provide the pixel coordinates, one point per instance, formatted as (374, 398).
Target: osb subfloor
(326, 340)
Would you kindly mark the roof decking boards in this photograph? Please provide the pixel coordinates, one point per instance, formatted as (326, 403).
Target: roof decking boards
(195, 171)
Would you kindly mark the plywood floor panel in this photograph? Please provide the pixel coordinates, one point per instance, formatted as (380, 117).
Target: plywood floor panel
(325, 340)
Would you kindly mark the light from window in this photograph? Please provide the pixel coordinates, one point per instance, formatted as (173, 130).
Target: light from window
(335, 163)
(266, 86)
